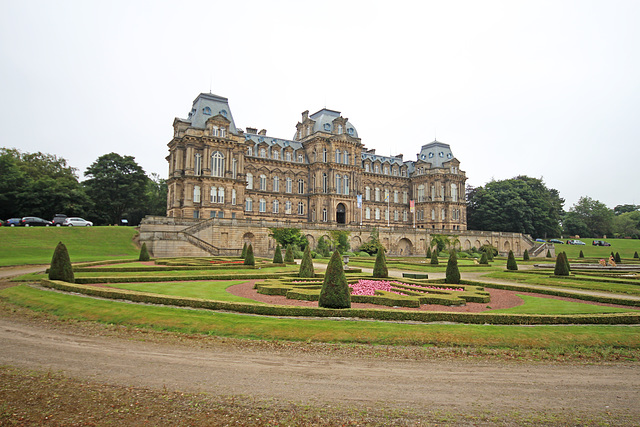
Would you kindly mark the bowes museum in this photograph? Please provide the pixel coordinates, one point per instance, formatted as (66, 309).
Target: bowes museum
(228, 185)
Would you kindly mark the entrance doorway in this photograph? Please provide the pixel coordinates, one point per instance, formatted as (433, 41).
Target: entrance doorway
(340, 214)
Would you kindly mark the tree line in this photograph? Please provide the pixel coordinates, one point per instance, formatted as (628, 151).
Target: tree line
(525, 205)
(115, 188)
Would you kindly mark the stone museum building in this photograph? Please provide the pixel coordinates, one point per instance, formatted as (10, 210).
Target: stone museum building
(323, 175)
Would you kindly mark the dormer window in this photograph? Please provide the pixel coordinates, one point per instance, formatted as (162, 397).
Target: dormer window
(350, 131)
(441, 154)
(287, 156)
(263, 153)
(430, 155)
(223, 113)
(214, 131)
(300, 158)
(339, 129)
(366, 167)
(207, 111)
(275, 155)
(327, 127)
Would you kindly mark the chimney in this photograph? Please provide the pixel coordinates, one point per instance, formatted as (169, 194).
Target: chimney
(399, 156)
(262, 132)
(252, 130)
(305, 115)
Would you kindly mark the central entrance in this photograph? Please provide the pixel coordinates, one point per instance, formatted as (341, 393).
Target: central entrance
(340, 214)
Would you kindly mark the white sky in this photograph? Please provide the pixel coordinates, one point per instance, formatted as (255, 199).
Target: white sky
(549, 89)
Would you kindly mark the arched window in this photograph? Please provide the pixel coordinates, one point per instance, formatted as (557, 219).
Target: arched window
(249, 181)
(300, 208)
(262, 206)
(289, 185)
(263, 183)
(276, 184)
(248, 204)
(300, 186)
(214, 131)
(197, 167)
(366, 167)
(234, 168)
(220, 195)
(324, 215)
(217, 164)
(367, 193)
(324, 155)
(324, 183)
(454, 193)
(338, 184)
(346, 185)
(196, 194)
(276, 206)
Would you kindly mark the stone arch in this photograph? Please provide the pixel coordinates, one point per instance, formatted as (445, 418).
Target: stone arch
(405, 247)
(248, 238)
(311, 240)
(356, 242)
(341, 213)
(467, 245)
(486, 242)
(477, 244)
(506, 246)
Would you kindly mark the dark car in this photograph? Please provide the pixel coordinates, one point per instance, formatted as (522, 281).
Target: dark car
(560, 242)
(58, 220)
(600, 243)
(12, 222)
(34, 221)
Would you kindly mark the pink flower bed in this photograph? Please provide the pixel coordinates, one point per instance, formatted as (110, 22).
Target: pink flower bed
(226, 262)
(368, 287)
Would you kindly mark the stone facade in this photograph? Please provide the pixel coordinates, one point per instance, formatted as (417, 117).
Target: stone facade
(323, 175)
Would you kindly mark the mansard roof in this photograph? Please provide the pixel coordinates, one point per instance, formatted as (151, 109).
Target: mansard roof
(437, 153)
(324, 122)
(208, 105)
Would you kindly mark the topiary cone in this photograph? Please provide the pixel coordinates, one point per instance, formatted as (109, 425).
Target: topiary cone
(335, 291)
(288, 255)
(561, 265)
(306, 265)
(60, 268)
(525, 255)
(452, 275)
(277, 257)
(511, 262)
(434, 257)
(249, 258)
(244, 251)
(380, 267)
(144, 253)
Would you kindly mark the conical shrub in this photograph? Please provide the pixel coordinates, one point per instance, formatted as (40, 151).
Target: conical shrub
(428, 252)
(249, 259)
(617, 258)
(581, 254)
(288, 255)
(548, 253)
(434, 257)
(511, 262)
(452, 275)
(561, 265)
(277, 257)
(244, 251)
(380, 267)
(144, 253)
(335, 292)
(566, 260)
(635, 255)
(60, 268)
(525, 255)
(306, 265)
(490, 254)
(483, 259)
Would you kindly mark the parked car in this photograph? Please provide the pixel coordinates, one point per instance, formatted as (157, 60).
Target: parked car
(560, 242)
(77, 222)
(12, 222)
(541, 240)
(34, 221)
(58, 219)
(600, 243)
(576, 242)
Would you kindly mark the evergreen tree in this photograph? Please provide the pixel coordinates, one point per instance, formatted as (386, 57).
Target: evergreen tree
(483, 259)
(306, 265)
(453, 273)
(380, 268)
(277, 257)
(617, 258)
(288, 255)
(490, 255)
(561, 265)
(60, 268)
(249, 259)
(635, 255)
(144, 253)
(323, 248)
(335, 291)
(434, 257)
(511, 262)
(581, 254)
(548, 253)
(525, 255)
(429, 252)
(244, 251)
(566, 260)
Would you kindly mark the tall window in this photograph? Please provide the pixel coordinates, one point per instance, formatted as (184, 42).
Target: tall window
(217, 164)
(433, 214)
(287, 156)
(213, 196)
(367, 213)
(196, 194)
(346, 185)
(276, 206)
(289, 185)
(338, 184)
(300, 158)
(220, 195)
(249, 151)
(198, 164)
(386, 170)
(405, 197)
(395, 196)
(324, 215)
(377, 195)
(443, 214)
(248, 205)
(421, 193)
(249, 181)
(376, 168)
(233, 196)
(263, 153)
(276, 184)
(433, 193)
(346, 157)
(275, 154)
(366, 167)
(263, 183)
(324, 155)
(338, 156)
(287, 207)
(234, 168)
(300, 208)
(442, 192)
(300, 186)
(405, 217)
(377, 213)
(454, 193)
(324, 182)
(367, 193)
(262, 206)
(386, 214)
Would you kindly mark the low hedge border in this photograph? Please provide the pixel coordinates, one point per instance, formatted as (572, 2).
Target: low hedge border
(174, 268)
(146, 279)
(374, 314)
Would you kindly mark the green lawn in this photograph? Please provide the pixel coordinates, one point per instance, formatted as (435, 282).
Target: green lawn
(626, 248)
(538, 305)
(35, 245)
(214, 290)
(321, 330)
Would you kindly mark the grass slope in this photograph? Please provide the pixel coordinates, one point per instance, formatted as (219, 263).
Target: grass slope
(35, 245)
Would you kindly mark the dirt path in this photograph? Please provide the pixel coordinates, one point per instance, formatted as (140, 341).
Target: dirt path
(450, 385)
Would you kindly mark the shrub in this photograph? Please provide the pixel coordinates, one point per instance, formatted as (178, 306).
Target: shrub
(306, 265)
(244, 251)
(144, 253)
(61, 265)
(511, 262)
(364, 254)
(566, 260)
(335, 291)
(249, 259)
(548, 253)
(323, 248)
(380, 267)
(277, 257)
(617, 258)
(581, 254)
(561, 265)
(525, 255)
(288, 256)
(490, 255)
(453, 273)
(635, 255)
(483, 259)
(434, 258)
(429, 252)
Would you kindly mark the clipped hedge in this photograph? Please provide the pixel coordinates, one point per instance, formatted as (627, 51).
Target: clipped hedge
(377, 314)
(146, 279)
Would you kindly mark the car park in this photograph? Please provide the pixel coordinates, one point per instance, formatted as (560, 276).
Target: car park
(77, 222)
(34, 221)
(575, 242)
(600, 243)
(58, 219)
(12, 222)
(560, 242)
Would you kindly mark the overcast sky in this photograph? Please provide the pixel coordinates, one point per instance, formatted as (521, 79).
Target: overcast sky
(548, 89)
